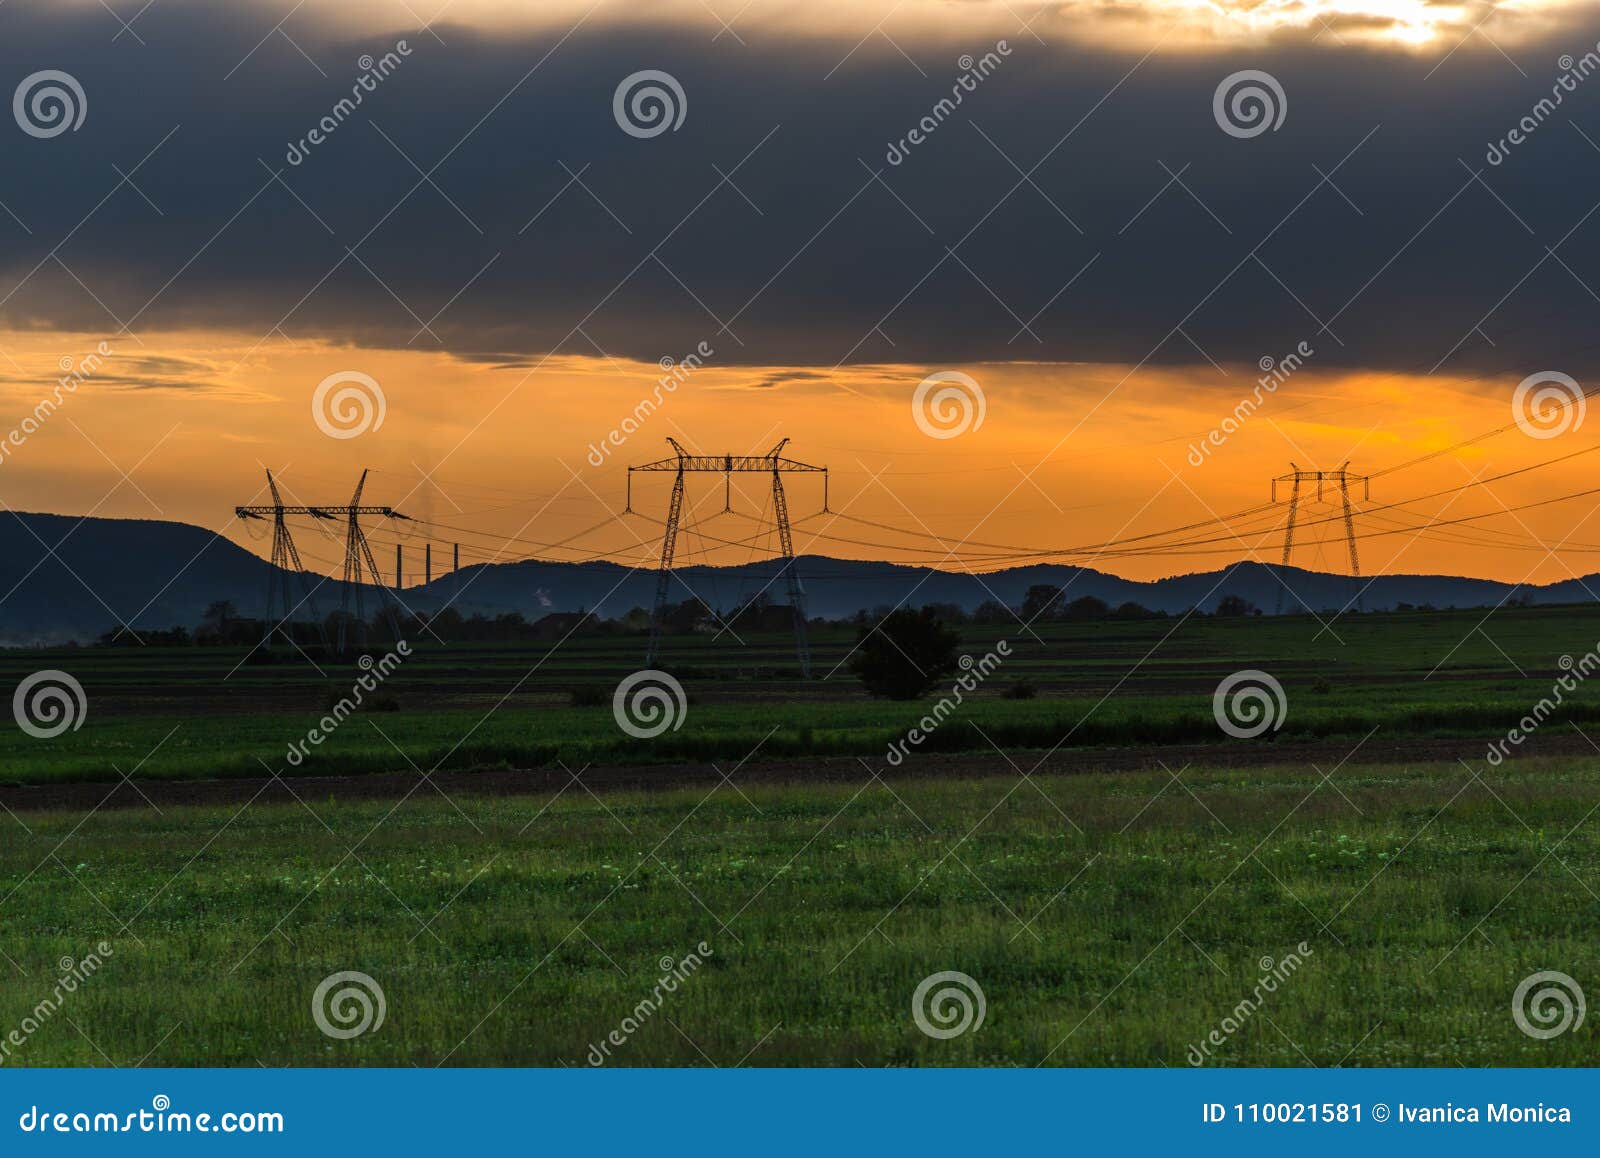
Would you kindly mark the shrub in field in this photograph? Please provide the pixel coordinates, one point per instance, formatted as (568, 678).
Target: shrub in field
(905, 655)
(589, 696)
(1021, 690)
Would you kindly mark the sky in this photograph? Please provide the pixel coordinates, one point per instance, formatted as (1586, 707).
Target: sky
(1161, 251)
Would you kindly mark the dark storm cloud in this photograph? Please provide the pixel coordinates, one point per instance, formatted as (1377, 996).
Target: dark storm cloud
(542, 226)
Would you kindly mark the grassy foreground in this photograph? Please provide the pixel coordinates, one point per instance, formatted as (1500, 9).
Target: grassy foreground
(525, 930)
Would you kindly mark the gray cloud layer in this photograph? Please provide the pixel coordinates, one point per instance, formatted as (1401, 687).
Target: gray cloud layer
(804, 270)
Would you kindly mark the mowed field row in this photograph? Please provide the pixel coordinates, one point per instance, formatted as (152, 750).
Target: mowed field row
(202, 712)
(1107, 920)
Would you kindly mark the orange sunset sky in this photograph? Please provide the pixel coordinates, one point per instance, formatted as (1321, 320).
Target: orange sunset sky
(1067, 455)
(1081, 233)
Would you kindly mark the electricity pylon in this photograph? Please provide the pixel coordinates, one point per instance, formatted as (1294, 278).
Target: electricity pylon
(728, 465)
(1343, 480)
(358, 560)
(358, 554)
(285, 561)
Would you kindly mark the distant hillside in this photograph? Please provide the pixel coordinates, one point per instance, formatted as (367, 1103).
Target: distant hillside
(64, 578)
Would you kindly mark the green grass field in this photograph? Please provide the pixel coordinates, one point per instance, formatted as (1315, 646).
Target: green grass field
(202, 712)
(1109, 918)
(1112, 919)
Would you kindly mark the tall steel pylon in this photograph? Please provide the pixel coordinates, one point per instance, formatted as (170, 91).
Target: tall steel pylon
(358, 555)
(358, 560)
(285, 562)
(727, 465)
(1343, 480)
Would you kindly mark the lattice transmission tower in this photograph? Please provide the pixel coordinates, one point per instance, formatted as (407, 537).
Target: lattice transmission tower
(727, 465)
(285, 563)
(358, 562)
(1340, 479)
